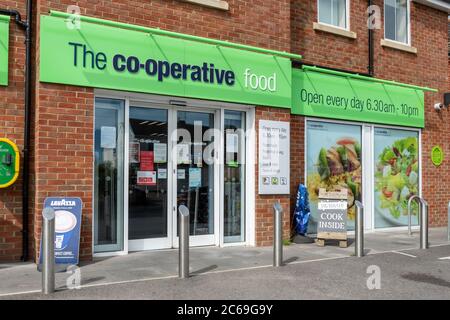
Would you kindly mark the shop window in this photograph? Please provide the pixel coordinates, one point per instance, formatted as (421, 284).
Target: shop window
(396, 176)
(333, 12)
(378, 165)
(109, 175)
(396, 20)
(333, 162)
(234, 176)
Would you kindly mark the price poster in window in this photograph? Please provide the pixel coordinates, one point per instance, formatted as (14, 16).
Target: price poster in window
(147, 161)
(146, 178)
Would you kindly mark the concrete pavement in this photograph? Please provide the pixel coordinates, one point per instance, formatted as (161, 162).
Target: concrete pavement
(243, 267)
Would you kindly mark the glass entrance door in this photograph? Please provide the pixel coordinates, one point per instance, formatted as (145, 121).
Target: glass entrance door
(148, 179)
(195, 174)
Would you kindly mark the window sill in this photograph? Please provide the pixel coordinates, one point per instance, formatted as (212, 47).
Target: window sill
(334, 30)
(398, 46)
(217, 4)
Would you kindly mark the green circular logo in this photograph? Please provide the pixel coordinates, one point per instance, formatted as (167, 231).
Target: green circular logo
(437, 155)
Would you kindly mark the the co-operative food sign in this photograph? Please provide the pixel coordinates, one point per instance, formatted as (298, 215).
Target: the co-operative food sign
(101, 56)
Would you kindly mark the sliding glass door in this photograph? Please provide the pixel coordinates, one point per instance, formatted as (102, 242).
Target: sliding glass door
(196, 174)
(148, 201)
(150, 158)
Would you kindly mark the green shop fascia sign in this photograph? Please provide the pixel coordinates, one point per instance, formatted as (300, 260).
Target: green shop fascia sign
(4, 45)
(103, 56)
(329, 94)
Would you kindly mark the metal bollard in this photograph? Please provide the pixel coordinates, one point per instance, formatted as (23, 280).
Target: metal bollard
(48, 251)
(183, 253)
(424, 225)
(277, 235)
(359, 230)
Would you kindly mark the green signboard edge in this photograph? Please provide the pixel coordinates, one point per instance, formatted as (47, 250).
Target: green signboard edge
(4, 49)
(284, 65)
(434, 160)
(339, 76)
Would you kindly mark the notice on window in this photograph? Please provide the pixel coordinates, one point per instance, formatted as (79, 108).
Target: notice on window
(135, 148)
(162, 174)
(195, 177)
(183, 153)
(160, 152)
(146, 178)
(147, 160)
(108, 137)
(232, 142)
(274, 157)
(181, 174)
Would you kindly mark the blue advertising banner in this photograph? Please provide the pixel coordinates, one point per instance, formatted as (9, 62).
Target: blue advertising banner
(67, 229)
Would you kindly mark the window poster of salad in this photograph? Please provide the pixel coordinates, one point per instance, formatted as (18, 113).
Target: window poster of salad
(333, 161)
(396, 156)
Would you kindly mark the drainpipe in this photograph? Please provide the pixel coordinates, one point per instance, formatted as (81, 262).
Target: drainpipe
(370, 67)
(27, 26)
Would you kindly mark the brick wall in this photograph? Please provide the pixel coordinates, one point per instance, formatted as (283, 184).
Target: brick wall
(64, 153)
(254, 22)
(426, 68)
(11, 126)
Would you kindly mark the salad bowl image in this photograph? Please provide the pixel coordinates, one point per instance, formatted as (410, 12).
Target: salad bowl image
(396, 180)
(338, 167)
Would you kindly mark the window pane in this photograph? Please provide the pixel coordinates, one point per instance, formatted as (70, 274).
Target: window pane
(147, 200)
(396, 159)
(333, 12)
(325, 11)
(108, 213)
(339, 13)
(234, 177)
(333, 162)
(401, 15)
(389, 19)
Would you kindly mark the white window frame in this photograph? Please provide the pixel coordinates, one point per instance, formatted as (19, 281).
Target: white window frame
(347, 17)
(408, 22)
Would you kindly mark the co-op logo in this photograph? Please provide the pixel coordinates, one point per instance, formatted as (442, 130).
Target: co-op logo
(162, 70)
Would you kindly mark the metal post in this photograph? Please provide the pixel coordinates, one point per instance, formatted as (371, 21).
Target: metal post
(48, 251)
(359, 230)
(277, 235)
(411, 199)
(183, 253)
(424, 225)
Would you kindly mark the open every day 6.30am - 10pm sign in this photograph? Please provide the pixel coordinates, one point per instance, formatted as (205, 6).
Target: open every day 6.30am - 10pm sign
(144, 62)
(4, 45)
(319, 94)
